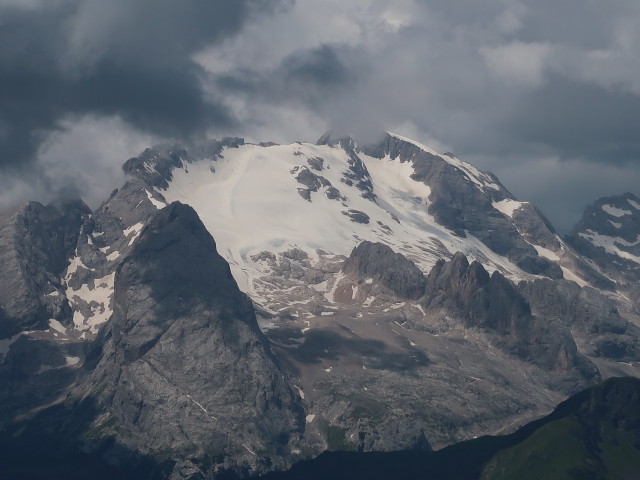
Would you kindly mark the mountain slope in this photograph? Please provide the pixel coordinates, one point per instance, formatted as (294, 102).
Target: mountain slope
(593, 434)
(184, 367)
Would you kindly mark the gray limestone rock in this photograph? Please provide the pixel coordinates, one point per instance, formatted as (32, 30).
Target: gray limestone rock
(387, 268)
(35, 244)
(462, 200)
(183, 370)
(494, 304)
(592, 317)
(357, 174)
(314, 182)
(609, 234)
(356, 216)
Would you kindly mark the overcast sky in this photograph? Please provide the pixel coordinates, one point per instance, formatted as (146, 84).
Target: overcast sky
(546, 94)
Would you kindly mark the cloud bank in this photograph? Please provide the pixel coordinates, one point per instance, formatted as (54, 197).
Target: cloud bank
(543, 94)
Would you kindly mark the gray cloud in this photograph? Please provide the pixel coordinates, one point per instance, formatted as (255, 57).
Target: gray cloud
(529, 90)
(132, 59)
(543, 94)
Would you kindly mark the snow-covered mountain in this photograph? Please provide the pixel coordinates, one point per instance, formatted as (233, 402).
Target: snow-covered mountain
(608, 233)
(399, 298)
(325, 199)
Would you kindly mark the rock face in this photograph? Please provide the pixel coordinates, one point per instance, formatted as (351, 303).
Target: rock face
(592, 316)
(35, 243)
(183, 370)
(594, 434)
(494, 304)
(391, 271)
(609, 234)
(482, 300)
(463, 199)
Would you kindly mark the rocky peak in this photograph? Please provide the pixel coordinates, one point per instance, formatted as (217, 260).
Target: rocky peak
(494, 304)
(609, 234)
(468, 201)
(183, 365)
(484, 300)
(392, 271)
(36, 242)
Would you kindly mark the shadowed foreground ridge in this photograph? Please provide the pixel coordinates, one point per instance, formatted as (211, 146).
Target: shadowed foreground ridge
(593, 434)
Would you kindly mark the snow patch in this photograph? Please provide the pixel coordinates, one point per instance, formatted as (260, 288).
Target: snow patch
(570, 275)
(327, 314)
(610, 244)
(546, 253)
(133, 231)
(156, 203)
(507, 206)
(113, 256)
(615, 211)
(57, 326)
(310, 418)
(74, 264)
(96, 299)
(5, 345)
(616, 225)
(71, 361)
(368, 301)
(634, 204)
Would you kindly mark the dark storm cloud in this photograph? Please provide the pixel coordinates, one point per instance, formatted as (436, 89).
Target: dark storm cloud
(65, 59)
(578, 120)
(306, 77)
(544, 94)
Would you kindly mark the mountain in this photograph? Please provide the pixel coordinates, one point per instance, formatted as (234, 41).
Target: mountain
(358, 298)
(593, 434)
(608, 234)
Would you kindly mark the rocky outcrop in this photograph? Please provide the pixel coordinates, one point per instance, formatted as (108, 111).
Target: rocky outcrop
(462, 200)
(483, 300)
(494, 304)
(590, 314)
(609, 234)
(35, 244)
(392, 271)
(183, 372)
(154, 166)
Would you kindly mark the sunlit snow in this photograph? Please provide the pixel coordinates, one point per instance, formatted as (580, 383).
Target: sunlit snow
(156, 203)
(250, 203)
(507, 206)
(132, 232)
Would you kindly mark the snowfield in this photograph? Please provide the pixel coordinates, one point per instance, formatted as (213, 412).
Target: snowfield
(249, 200)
